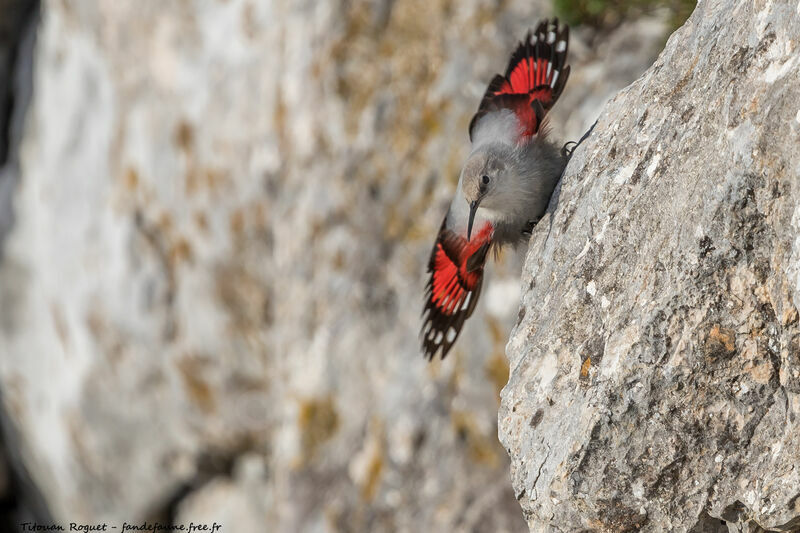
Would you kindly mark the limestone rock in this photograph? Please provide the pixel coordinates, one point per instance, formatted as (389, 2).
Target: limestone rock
(655, 365)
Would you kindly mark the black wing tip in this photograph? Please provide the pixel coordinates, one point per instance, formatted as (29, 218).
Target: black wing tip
(441, 323)
(430, 355)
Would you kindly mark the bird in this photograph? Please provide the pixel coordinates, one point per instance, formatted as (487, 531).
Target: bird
(505, 184)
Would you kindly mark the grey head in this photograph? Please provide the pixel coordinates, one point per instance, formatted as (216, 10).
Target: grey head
(489, 180)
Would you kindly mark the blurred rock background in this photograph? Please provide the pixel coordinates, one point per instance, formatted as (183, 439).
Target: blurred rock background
(215, 225)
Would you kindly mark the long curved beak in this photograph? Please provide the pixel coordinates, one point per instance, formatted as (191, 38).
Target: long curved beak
(473, 206)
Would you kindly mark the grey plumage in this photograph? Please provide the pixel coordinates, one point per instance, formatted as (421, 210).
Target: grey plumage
(521, 181)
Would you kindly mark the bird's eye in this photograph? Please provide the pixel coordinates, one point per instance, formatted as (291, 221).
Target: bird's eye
(485, 180)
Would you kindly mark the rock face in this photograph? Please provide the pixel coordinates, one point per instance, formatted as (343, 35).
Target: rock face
(211, 293)
(655, 365)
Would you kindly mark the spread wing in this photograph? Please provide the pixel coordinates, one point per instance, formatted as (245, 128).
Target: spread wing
(533, 81)
(454, 285)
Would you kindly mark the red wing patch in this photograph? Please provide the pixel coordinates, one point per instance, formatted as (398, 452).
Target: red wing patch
(456, 277)
(533, 81)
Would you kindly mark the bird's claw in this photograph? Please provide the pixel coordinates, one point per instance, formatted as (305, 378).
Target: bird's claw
(567, 150)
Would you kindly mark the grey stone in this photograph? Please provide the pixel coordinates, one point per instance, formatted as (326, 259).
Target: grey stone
(655, 365)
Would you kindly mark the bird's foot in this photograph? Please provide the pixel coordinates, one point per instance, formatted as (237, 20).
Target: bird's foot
(566, 150)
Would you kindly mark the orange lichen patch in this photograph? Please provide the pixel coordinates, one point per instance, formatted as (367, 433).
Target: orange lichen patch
(587, 364)
(197, 388)
(722, 338)
(318, 422)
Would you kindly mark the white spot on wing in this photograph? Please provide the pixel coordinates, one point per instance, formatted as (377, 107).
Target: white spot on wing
(466, 301)
(438, 338)
(561, 46)
(555, 79)
(451, 334)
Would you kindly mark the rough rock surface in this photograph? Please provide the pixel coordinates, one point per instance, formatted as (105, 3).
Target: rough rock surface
(655, 365)
(211, 295)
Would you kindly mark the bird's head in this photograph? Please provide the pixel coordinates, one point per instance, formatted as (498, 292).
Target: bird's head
(481, 181)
